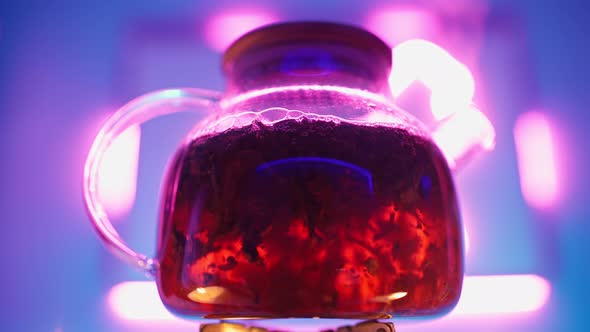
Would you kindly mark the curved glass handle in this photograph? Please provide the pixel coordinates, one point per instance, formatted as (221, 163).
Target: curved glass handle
(135, 112)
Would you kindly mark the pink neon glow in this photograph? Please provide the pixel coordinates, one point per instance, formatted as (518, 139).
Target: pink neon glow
(117, 178)
(482, 295)
(536, 159)
(400, 23)
(451, 84)
(222, 29)
(502, 294)
(463, 132)
(138, 300)
(457, 8)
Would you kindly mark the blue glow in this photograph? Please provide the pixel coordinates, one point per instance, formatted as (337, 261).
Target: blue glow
(298, 161)
(308, 62)
(425, 186)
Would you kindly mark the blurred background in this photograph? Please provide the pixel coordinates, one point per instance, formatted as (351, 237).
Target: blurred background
(66, 65)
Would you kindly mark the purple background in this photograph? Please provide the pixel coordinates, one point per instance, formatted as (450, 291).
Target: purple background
(65, 65)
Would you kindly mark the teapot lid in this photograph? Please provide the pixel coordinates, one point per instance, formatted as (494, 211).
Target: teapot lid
(309, 33)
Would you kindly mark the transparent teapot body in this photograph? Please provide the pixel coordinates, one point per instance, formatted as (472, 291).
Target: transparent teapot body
(305, 192)
(309, 201)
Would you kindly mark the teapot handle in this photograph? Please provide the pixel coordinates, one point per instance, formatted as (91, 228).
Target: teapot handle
(137, 111)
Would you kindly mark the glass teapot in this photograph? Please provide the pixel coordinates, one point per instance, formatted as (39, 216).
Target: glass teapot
(305, 192)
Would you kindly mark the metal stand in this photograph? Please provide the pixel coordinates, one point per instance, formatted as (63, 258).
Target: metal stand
(367, 326)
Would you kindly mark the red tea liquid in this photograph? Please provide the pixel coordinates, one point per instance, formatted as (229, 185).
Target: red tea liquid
(310, 219)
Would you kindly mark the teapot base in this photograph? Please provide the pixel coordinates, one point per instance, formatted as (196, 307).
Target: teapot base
(366, 326)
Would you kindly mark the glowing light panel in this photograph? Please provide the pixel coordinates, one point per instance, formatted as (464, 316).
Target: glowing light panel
(222, 29)
(502, 294)
(117, 179)
(536, 159)
(482, 295)
(138, 300)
